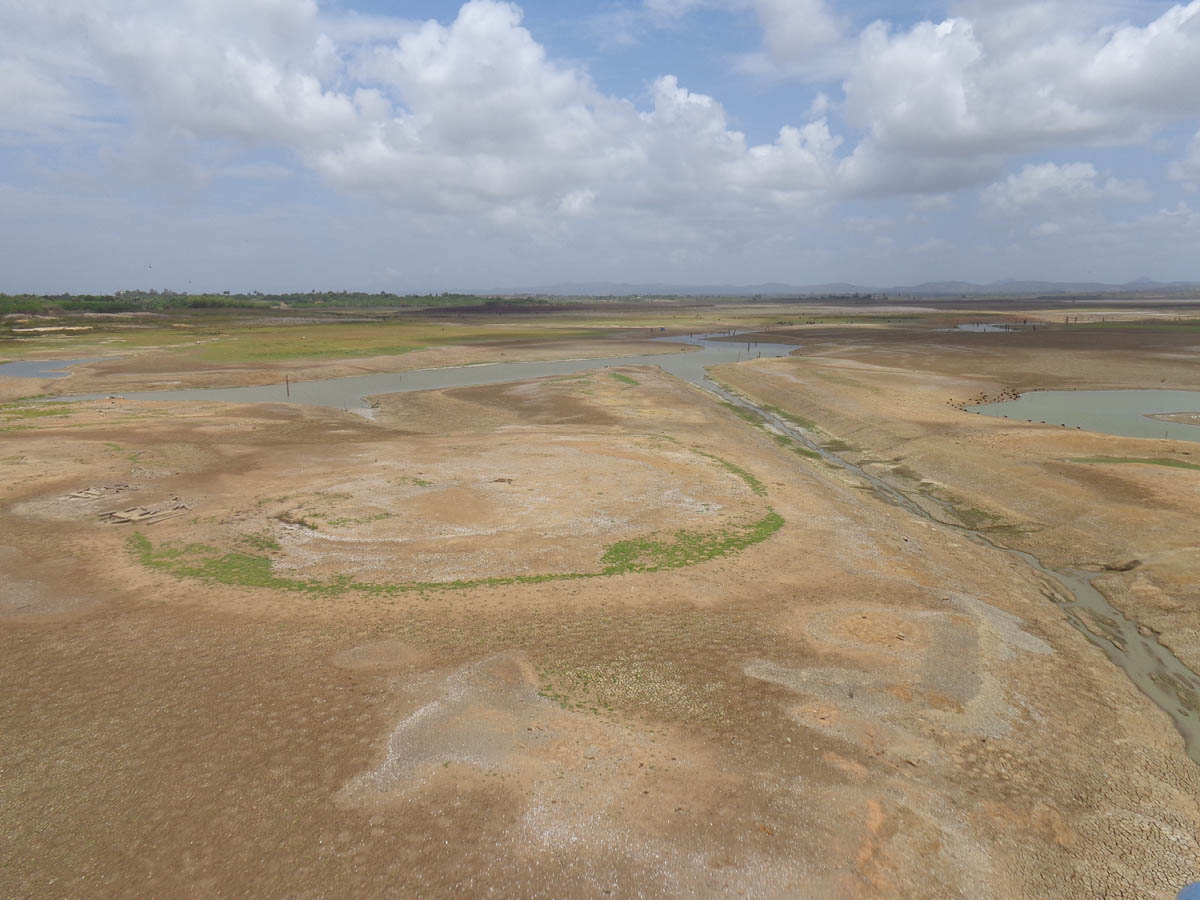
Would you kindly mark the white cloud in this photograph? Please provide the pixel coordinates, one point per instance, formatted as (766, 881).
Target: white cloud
(32, 101)
(484, 118)
(795, 33)
(1187, 169)
(927, 202)
(962, 94)
(1051, 186)
(1046, 229)
(469, 126)
(250, 70)
(933, 245)
(937, 90)
(1155, 67)
(673, 9)
(578, 203)
(457, 117)
(793, 28)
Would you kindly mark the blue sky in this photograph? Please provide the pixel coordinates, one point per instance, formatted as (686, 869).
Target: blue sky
(426, 146)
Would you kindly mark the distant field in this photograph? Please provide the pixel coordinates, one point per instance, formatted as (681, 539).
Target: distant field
(257, 333)
(246, 339)
(241, 336)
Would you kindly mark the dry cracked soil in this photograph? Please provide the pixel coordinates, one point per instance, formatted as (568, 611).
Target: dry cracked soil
(592, 636)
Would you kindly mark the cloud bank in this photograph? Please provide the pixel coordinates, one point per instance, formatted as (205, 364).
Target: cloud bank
(472, 118)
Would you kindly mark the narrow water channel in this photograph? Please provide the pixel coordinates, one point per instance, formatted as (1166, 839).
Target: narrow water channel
(1154, 669)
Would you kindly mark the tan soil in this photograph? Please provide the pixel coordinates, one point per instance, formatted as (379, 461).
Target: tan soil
(895, 397)
(861, 706)
(1179, 418)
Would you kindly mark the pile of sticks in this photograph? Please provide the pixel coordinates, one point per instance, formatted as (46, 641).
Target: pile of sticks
(145, 515)
(95, 493)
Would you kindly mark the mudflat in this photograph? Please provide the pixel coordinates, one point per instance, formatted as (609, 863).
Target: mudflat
(596, 635)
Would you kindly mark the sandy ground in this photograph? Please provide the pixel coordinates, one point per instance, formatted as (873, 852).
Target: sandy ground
(895, 397)
(862, 705)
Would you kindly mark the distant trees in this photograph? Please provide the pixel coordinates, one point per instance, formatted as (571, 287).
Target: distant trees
(154, 300)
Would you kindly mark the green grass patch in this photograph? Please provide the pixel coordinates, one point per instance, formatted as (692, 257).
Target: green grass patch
(266, 343)
(683, 548)
(794, 419)
(746, 415)
(295, 517)
(263, 540)
(974, 517)
(757, 420)
(755, 485)
(358, 520)
(13, 412)
(238, 569)
(266, 336)
(799, 449)
(686, 548)
(625, 379)
(1134, 460)
(414, 481)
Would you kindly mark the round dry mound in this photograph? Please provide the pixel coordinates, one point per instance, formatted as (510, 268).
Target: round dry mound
(494, 506)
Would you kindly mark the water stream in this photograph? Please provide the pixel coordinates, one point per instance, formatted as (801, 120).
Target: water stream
(351, 393)
(1153, 668)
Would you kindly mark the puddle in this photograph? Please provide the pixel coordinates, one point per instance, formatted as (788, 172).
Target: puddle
(1128, 413)
(41, 368)
(987, 326)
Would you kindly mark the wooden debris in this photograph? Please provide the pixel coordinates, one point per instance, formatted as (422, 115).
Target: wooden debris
(95, 493)
(146, 515)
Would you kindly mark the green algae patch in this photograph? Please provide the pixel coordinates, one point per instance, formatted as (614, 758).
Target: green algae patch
(1133, 460)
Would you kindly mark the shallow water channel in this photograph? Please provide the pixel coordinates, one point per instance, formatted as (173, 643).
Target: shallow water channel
(1125, 413)
(351, 393)
(1153, 668)
(40, 368)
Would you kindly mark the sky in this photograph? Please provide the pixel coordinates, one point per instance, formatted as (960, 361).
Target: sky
(294, 145)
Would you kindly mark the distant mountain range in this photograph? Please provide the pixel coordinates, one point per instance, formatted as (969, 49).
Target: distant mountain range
(927, 289)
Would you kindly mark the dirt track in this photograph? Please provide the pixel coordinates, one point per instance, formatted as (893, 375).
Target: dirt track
(858, 706)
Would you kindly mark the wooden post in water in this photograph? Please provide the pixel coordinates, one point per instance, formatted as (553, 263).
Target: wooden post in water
(287, 381)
